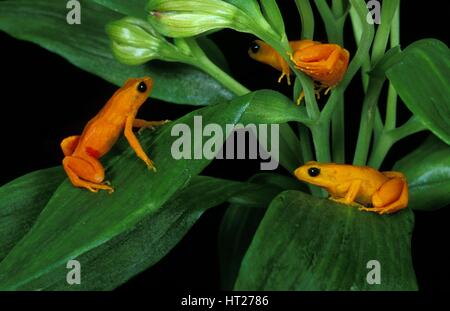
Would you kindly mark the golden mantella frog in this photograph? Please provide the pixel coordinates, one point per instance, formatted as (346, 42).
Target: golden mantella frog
(379, 192)
(324, 63)
(101, 132)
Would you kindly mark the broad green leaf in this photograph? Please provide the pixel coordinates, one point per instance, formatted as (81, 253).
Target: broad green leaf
(236, 231)
(87, 46)
(21, 201)
(390, 58)
(271, 185)
(307, 243)
(421, 79)
(242, 218)
(135, 8)
(76, 221)
(427, 170)
(133, 251)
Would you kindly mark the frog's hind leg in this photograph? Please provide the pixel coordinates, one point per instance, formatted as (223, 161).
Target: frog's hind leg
(391, 197)
(69, 144)
(85, 173)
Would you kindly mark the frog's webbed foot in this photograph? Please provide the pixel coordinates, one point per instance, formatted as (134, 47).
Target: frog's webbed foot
(378, 210)
(318, 88)
(300, 98)
(150, 165)
(345, 202)
(143, 124)
(86, 174)
(288, 77)
(93, 187)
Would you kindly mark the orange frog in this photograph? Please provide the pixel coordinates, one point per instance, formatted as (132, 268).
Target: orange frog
(379, 192)
(324, 63)
(101, 132)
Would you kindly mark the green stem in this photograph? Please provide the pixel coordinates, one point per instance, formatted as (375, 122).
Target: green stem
(388, 11)
(307, 155)
(201, 61)
(380, 150)
(329, 20)
(355, 64)
(305, 143)
(335, 29)
(367, 121)
(412, 126)
(390, 137)
(289, 148)
(217, 73)
(357, 25)
(307, 18)
(338, 8)
(338, 133)
(321, 139)
(395, 28)
(391, 105)
(391, 108)
(378, 125)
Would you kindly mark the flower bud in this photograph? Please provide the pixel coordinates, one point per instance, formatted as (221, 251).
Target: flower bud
(187, 18)
(135, 42)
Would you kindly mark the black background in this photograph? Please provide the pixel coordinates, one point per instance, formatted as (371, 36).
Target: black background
(44, 99)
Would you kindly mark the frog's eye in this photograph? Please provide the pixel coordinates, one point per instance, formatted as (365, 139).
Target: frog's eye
(254, 47)
(313, 171)
(142, 87)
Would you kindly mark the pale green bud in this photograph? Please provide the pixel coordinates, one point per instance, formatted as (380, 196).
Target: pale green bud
(135, 42)
(187, 18)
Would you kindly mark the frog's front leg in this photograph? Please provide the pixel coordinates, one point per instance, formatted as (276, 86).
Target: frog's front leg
(144, 123)
(86, 173)
(350, 189)
(392, 195)
(134, 142)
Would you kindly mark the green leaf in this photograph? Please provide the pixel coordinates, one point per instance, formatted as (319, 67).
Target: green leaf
(76, 221)
(307, 18)
(421, 79)
(307, 243)
(135, 8)
(133, 251)
(21, 201)
(390, 58)
(88, 47)
(236, 231)
(242, 218)
(213, 52)
(271, 185)
(427, 170)
(273, 15)
(250, 7)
